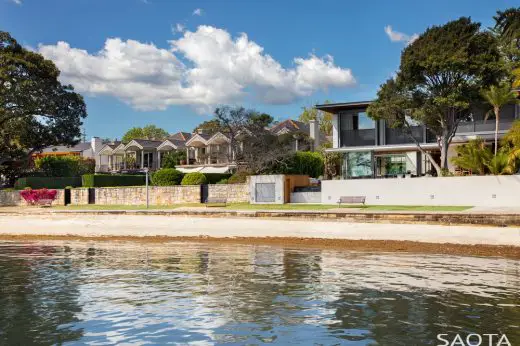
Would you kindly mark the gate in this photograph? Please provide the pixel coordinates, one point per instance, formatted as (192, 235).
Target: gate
(67, 196)
(204, 192)
(91, 195)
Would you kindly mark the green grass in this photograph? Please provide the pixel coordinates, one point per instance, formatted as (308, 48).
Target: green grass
(123, 207)
(245, 206)
(416, 208)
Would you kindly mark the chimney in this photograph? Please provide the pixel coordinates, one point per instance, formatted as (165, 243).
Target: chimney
(96, 143)
(314, 133)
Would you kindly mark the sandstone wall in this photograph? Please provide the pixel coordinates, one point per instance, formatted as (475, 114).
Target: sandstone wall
(235, 193)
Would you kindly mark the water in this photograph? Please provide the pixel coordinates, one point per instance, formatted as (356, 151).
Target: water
(180, 293)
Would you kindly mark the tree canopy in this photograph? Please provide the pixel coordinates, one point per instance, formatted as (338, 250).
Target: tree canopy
(36, 110)
(150, 132)
(324, 118)
(440, 76)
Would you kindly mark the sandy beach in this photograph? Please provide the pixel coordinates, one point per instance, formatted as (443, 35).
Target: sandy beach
(473, 240)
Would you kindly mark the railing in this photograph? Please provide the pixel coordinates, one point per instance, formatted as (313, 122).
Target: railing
(483, 126)
(353, 138)
(398, 136)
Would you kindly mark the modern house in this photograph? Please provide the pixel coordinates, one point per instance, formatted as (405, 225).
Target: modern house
(372, 149)
(206, 153)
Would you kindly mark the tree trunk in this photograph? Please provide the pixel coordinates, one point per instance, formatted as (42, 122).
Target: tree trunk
(497, 120)
(444, 144)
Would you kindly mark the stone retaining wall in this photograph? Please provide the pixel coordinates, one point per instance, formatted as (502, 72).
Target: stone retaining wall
(78, 196)
(13, 198)
(158, 195)
(235, 193)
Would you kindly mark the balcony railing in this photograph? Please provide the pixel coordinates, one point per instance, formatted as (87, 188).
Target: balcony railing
(483, 126)
(398, 136)
(354, 138)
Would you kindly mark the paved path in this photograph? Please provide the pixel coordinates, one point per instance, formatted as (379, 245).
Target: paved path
(188, 226)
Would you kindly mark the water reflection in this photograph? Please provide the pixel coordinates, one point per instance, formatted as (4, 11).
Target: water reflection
(177, 293)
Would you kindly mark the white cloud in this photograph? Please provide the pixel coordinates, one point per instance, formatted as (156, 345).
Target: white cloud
(18, 2)
(396, 36)
(197, 12)
(202, 69)
(178, 28)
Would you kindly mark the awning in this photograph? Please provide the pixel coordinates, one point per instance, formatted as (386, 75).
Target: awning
(221, 170)
(189, 170)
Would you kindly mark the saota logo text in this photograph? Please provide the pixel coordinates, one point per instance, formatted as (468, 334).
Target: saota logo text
(473, 340)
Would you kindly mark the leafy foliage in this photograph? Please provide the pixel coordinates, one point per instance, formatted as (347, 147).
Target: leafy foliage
(36, 110)
(478, 158)
(34, 197)
(167, 177)
(195, 178)
(150, 132)
(440, 74)
(507, 23)
(214, 178)
(239, 177)
(64, 166)
(47, 182)
(107, 180)
(209, 127)
(331, 165)
(172, 158)
(473, 156)
(301, 162)
(497, 97)
(324, 118)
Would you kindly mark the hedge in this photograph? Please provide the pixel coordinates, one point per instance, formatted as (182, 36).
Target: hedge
(195, 178)
(214, 178)
(167, 177)
(47, 182)
(104, 180)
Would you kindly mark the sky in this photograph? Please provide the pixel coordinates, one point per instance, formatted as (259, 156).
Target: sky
(170, 63)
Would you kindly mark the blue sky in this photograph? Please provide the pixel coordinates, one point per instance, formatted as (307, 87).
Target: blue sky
(169, 62)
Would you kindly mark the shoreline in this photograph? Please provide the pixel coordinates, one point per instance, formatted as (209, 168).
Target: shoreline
(446, 218)
(391, 246)
(425, 238)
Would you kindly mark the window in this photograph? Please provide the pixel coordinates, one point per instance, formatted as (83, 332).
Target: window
(358, 165)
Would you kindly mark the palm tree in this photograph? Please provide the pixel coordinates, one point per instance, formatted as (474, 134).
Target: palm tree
(473, 156)
(512, 140)
(507, 24)
(497, 97)
(516, 80)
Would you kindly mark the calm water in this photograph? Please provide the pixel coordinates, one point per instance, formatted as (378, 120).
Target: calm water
(180, 293)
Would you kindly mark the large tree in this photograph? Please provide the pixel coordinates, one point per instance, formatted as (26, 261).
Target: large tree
(439, 78)
(36, 110)
(209, 127)
(324, 118)
(497, 97)
(150, 132)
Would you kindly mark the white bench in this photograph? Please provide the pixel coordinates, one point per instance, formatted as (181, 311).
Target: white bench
(216, 201)
(351, 200)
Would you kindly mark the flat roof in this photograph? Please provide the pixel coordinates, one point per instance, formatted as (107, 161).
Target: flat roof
(342, 106)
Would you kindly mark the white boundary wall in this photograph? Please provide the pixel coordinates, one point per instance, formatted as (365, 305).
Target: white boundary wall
(489, 191)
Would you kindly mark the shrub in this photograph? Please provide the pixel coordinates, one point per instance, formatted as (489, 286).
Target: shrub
(104, 180)
(34, 197)
(214, 178)
(302, 162)
(172, 158)
(195, 178)
(239, 178)
(167, 177)
(47, 182)
(223, 181)
(64, 166)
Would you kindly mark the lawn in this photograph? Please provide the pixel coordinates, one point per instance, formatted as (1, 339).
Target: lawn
(245, 206)
(123, 207)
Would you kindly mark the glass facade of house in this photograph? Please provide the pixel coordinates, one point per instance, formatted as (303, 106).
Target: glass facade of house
(356, 129)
